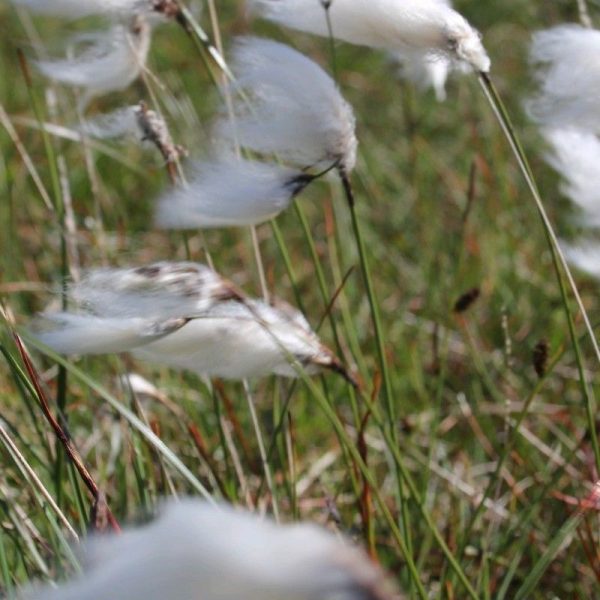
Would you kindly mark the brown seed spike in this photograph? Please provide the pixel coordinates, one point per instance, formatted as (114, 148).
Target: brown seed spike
(467, 300)
(540, 357)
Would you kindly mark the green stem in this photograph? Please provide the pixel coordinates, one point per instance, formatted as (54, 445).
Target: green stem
(558, 258)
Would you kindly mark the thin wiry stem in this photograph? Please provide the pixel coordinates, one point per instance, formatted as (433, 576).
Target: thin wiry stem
(379, 338)
(584, 14)
(261, 448)
(558, 257)
(327, 6)
(37, 483)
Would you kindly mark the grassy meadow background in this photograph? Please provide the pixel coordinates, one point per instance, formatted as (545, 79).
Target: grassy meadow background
(443, 210)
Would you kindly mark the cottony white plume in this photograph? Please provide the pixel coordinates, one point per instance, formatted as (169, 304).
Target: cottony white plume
(429, 69)
(114, 59)
(585, 257)
(425, 70)
(120, 123)
(239, 341)
(568, 77)
(162, 290)
(74, 9)
(296, 110)
(185, 316)
(138, 123)
(230, 192)
(194, 550)
(424, 25)
(88, 334)
(576, 156)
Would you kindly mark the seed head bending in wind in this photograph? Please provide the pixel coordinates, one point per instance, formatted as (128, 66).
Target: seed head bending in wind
(75, 9)
(194, 550)
(185, 316)
(568, 77)
(135, 122)
(230, 192)
(425, 25)
(428, 69)
(291, 108)
(114, 59)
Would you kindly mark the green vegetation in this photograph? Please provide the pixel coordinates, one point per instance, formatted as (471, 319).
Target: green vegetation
(448, 495)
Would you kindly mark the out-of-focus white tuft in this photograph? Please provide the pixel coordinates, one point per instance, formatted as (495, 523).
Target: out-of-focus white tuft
(120, 123)
(425, 70)
(185, 316)
(296, 110)
(576, 156)
(238, 341)
(406, 25)
(74, 9)
(137, 123)
(111, 62)
(568, 77)
(194, 550)
(230, 192)
(585, 256)
(158, 291)
(69, 333)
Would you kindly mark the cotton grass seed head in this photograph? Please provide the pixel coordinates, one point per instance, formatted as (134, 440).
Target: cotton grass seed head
(424, 25)
(568, 77)
(295, 111)
(185, 316)
(110, 61)
(157, 291)
(239, 341)
(137, 123)
(229, 192)
(575, 155)
(75, 9)
(194, 550)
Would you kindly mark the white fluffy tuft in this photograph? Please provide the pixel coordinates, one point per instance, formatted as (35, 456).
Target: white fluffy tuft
(424, 25)
(185, 316)
(74, 9)
(159, 291)
(229, 192)
(568, 77)
(238, 341)
(194, 550)
(111, 62)
(576, 156)
(296, 110)
(585, 257)
(425, 70)
(119, 123)
(69, 333)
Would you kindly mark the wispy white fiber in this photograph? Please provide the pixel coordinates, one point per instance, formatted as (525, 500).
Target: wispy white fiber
(74, 9)
(585, 256)
(157, 291)
(229, 192)
(111, 62)
(575, 155)
(185, 316)
(69, 333)
(239, 341)
(425, 70)
(568, 76)
(424, 25)
(296, 110)
(193, 550)
(122, 122)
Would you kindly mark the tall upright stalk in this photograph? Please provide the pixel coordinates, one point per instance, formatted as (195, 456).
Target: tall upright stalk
(558, 258)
